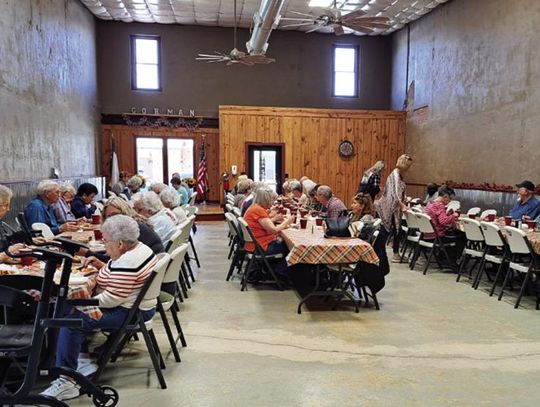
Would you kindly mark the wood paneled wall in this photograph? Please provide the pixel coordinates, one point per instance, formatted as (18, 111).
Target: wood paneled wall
(125, 142)
(311, 138)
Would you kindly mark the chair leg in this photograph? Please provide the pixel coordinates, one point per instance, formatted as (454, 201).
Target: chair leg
(523, 286)
(168, 331)
(190, 270)
(185, 274)
(245, 277)
(271, 271)
(506, 277)
(232, 266)
(464, 260)
(428, 261)
(479, 274)
(194, 252)
(179, 328)
(415, 256)
(153, 351)
(499, 271)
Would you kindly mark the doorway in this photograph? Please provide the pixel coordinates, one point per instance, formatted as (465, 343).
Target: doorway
(265, 164)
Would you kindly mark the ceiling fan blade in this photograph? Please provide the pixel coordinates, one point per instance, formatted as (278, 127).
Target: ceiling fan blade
(354, 14)
(295, 25)
(359, 28)
(294, 19)
(302, 14)
(338, 29)
(379, 20)
(313, 29)
(373, 25)
(210, 55)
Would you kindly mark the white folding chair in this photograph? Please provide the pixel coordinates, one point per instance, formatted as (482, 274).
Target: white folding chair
(474, 247)
(520, 249)
(488, 212)
(192, 199)
(496, 252)
(474, 211)
(454, 205)
(412, 237)
(44, 229)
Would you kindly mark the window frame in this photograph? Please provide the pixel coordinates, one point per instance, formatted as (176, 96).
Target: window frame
(356, 49)
(133, 58)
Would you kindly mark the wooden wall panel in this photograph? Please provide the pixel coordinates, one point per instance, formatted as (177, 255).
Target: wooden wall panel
(125, 139)
(311, 138)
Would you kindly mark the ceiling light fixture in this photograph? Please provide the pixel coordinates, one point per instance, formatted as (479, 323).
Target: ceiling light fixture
(319, 3)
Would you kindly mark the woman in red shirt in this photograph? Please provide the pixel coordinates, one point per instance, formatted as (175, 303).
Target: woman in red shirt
(264, 230)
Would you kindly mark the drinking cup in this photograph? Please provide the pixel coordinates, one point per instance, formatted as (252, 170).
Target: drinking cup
(96, 219)
(531, 224)
(318, 221)
(490, 218)
(98, 235)
(507, 220)
(303, 223)
(27, 261)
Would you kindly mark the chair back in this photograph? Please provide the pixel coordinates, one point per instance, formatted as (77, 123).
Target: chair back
(517, 241)
(191, 210)
(111, 194)
(377, 223)
(356, 227)
(412, 223)
(192, 198)
(185, 229)
(177, 258)
(232, 223)
(417, 209)
(237, 212)
(175, 240)
(228, 207)
(424, 223)
(474, 211)
(44, 228)
(488, 212)
(159, 270)
(492, 234)
(473, 231)
(454, 205)
(99, 207)
(244, 227)
(124, 197)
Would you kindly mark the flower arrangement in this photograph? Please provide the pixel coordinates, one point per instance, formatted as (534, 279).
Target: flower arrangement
(190, 181)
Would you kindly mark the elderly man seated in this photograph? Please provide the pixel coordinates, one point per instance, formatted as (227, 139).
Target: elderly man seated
(527, 204)
(330, 204)
(118, 285)
(40, 210)
(148, 205)
(298, 193)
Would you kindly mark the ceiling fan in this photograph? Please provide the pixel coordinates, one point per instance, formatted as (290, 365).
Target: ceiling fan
(235, 56)
(333, 17)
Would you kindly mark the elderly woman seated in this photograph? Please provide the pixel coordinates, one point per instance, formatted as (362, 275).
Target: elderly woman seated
(82, 205)
(134, 184)
(362, 210)
(243, 189)
(8, 235)
(148, 205)
(62, 208)
(265, 232)
(118, 285)
(118, 206)
(171, 200)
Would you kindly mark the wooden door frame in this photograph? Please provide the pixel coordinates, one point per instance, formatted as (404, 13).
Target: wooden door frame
(260, 144)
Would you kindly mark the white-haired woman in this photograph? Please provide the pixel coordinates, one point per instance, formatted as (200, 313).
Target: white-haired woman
(134, 184)
(148, 205)
(265, 232)
(39, 210)
(62, 207)
(8, 235)
(118, 284)
(249, 199)
(171, 200)
(371, 179)
(243, 189)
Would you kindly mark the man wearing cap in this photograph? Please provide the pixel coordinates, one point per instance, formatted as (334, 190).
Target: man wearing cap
(527, 205)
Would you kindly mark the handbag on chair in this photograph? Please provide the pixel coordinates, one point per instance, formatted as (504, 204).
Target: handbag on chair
(337, 227)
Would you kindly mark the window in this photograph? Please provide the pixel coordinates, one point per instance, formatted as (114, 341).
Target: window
(345, 71)
(145, 63)
(158, 158)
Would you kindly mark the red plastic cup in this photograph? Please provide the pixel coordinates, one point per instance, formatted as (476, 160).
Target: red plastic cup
(490, 218)
(318, 221)
(27, 261)
(303, 213)
(96, 219)
(531, 224)
(507, 220)
(472, 216)
(98, 235)
(303, 223)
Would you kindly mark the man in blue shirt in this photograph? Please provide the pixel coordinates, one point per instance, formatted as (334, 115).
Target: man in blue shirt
(39, 210)
(527, 204)
(182, 191)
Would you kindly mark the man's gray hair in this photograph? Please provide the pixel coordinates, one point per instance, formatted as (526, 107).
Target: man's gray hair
(295, 186)
(149, 200)
(308, 185)
(325, 191)
(158, 187)
(135, 182)
(265, 197)
(169, 197)
(121, 228)
(45, 186)
(67, 187)
(5, 193)
(243, 185)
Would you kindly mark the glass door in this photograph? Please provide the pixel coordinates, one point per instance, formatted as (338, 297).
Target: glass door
(150, 159)
(264, 163)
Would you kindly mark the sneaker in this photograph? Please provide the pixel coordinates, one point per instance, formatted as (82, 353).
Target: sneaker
(62, 389)
(86, 367)
(396, 258)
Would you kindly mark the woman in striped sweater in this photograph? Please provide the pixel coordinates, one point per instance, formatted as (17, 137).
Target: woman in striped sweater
(118, 284)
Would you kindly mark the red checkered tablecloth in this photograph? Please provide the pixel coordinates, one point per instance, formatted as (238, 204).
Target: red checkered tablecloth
(314, 248)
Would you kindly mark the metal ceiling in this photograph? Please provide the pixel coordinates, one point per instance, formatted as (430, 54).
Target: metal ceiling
(220, 12)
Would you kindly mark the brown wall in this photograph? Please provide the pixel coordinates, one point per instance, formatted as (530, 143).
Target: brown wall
(311, 138)
(48, 89)
(125, 147)
(301, 75)
(476, 65)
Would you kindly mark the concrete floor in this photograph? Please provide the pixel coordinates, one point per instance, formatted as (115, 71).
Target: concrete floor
(434, 343)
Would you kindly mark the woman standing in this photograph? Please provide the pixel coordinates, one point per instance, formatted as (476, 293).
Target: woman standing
(391, 203)
(369, 184)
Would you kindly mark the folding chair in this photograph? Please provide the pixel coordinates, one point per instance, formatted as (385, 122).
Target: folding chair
(474, 211)
(258, 256)
(237, 212)
(412, 237)
(167, 301)
(520, 249)
(192, 198)
(45, 230)
(434, 246)
(475, 247)
(488, 212)
(496, 253)
(134, 323)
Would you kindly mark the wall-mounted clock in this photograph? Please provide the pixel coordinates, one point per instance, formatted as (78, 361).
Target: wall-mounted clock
(346, 149)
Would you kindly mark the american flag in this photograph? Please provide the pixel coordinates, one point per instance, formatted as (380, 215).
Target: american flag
(202, 173)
